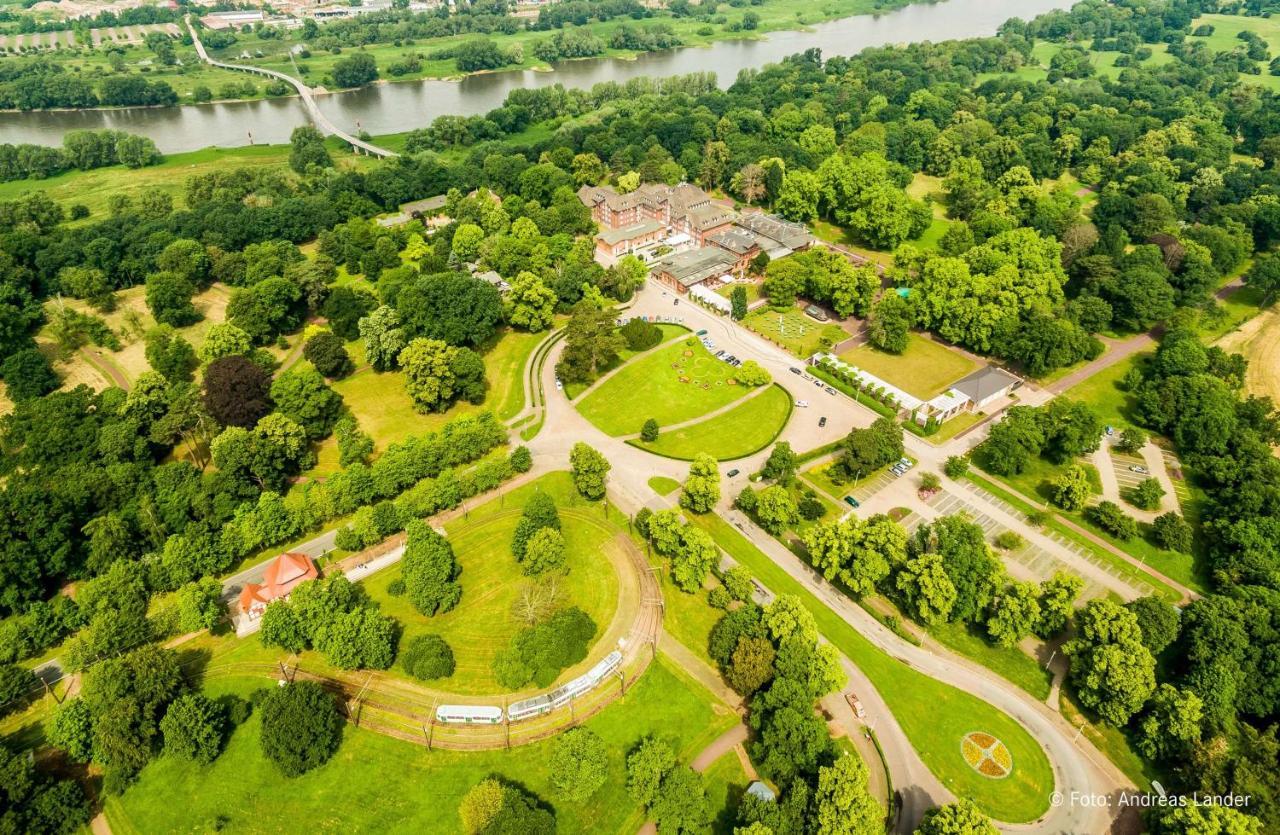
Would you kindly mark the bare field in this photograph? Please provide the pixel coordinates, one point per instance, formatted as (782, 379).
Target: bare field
(1259, 340)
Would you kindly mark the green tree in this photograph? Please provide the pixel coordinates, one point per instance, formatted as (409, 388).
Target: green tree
(1015, 614)
(200, 605)
(1114, 673)
(224, 339)
(530, 304)
(432, 378)
(959, 818)
(781, 463)
(843, 804)
(1172, 532)
(1170, 727)
(889, 325)
(738, 302)
(647, 763)
(355, 70)
(193, 728)
(301, 728)
(1146, 495)
(383, 336)
(427, 657)
(649, 432)
(590, 471)
(1057, 602)
(328, 355)
(750, 373)
(307, 150)
(702, 487)
(929, 592)
(681, 804)
(170, 354)
(301, 395)
(579, 764)
(169, 299)
(1072, 489)
(751, 666)
(545, 551)
(27, 375)
(430, 570)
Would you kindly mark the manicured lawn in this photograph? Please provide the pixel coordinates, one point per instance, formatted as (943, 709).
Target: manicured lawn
(669, 332)
(688, 618)
(793, 330)
(379, 784)
(1011, 663)
(752, 288)
(924, 370)
(664, 486)
(935, 716)
(953, 427)
(1103, 394)
(671, 384)
(504, 367)
(726, 783)
(743, 430)
(1112, 742)
(1223, 39)
(483, 623)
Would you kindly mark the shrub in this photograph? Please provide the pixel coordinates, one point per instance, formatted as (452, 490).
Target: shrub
(328, 355)
(649, 432)
(428, 657)
(640, 335)
(956, 466)
(194, 728)
(1009, 541)
(1113, 520)
(719, 597)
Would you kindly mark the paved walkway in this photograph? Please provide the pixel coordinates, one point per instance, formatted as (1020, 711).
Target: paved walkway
(723, 744)
(728, 407)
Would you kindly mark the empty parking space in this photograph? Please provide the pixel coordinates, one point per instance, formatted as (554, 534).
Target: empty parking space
(1043, 563)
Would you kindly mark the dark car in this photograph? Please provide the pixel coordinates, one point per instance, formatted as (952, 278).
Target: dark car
(795, 370)
(822, 421)
(852, 502)
(733, 473)
(818, 383)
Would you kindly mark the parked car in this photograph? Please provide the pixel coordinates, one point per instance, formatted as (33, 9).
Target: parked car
(906, 462)
(802, 404)
(559, 384)
(736, 362)
(855, 705)
(702, 332)
(795, 370)
(733, 473)
(830, 390)
(719, 353)
(822, 421)
(1138, 468)
(675, 302)
(852, 502)
(818, 383)
(1111, 430)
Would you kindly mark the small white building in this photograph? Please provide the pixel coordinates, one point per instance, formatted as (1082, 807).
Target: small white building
(711, 298)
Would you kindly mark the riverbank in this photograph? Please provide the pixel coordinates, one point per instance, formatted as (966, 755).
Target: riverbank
(397, 108)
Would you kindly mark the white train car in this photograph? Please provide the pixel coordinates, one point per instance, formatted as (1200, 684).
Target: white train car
(559, 697)
(468, 715)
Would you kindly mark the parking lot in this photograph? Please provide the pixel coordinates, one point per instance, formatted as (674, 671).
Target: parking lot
(1125, 477)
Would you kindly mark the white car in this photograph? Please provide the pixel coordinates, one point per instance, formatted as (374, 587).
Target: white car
(559, 384)
(803, 404)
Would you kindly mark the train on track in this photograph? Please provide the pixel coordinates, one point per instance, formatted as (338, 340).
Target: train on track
(536, 706)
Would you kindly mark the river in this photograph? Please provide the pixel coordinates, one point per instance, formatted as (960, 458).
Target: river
(402, 106)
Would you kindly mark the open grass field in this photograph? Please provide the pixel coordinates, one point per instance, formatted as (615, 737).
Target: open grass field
(1103, 393)
(726, 784)
(671, 384)
(94, 188)
(483, 622)
(379, 784)
(1259, 341)
(935, 716)
(793, 330)
(743, 430)
(1223, 39)
(925, 369)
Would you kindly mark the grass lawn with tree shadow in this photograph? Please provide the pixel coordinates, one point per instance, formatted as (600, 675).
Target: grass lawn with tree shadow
(925, 370)
(672, 384)
(375, 783)
(483, 622)
(743, 430)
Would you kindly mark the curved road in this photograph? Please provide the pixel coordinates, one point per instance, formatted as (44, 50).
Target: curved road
(1079, 769)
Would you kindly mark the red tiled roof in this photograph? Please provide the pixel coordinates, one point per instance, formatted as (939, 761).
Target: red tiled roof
(281, 577)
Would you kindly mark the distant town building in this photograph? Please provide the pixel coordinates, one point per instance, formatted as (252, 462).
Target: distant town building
(281, 577)
(776, 237)
(682, 208)
(230, 20)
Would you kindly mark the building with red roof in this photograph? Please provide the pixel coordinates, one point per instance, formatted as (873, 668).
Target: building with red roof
(281, 577)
